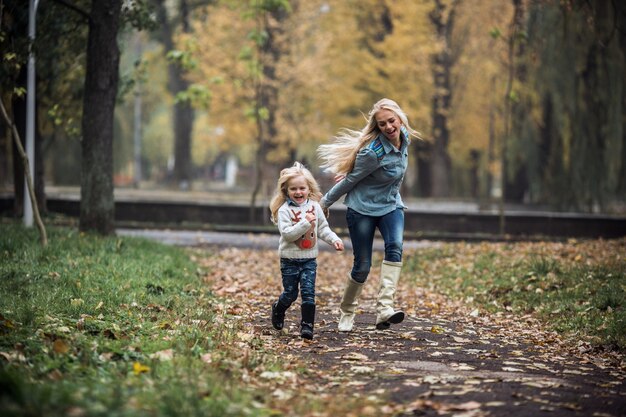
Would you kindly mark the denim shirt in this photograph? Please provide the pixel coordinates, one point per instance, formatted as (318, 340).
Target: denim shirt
(372, 187)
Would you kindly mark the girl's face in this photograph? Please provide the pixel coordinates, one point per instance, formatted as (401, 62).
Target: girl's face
(298, 189)
(389, 123)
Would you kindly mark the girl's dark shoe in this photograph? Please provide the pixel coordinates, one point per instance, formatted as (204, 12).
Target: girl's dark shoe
(278, 315)
(306, 331)
(308, 318)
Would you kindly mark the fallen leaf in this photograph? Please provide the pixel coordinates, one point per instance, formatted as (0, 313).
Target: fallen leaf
(354, 356)
(138, 368)
(362, 369)
(163, 355)
(437, 330)
(470, 405)
(511, 369)
(76, 302)
(281, 394)
(60, 346)
(281, 376)
(461, 340)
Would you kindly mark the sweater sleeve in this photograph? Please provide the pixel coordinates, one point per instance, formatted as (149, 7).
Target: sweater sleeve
(291, 232)
(365, 163)
(324, 231)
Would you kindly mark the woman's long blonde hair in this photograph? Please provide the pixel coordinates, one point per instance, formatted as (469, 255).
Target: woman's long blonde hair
(338, 157)
(286, 175)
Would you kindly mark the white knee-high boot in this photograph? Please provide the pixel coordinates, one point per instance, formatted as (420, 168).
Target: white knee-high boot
(385, 314)
(349, 303)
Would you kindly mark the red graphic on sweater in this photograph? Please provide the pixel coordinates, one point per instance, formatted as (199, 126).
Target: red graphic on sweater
(307, 240)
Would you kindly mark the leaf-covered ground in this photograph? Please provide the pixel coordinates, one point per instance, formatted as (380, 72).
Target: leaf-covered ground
(449, 357)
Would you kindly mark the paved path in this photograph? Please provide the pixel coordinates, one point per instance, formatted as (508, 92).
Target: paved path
(237, 240)
(442, 360)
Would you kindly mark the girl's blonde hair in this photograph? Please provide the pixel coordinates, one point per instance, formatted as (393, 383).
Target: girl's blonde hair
(286, 175)
(338, 157)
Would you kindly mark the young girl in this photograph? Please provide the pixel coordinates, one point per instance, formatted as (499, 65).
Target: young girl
(300, 220)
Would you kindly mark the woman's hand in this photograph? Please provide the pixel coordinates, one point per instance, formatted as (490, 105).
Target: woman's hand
(339, 178)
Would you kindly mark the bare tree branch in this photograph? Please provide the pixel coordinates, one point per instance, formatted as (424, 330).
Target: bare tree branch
(29, 179)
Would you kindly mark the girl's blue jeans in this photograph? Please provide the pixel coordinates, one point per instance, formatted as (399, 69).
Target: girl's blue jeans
(362, 229)
(298, 272)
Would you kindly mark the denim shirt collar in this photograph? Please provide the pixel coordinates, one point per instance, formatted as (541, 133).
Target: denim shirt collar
(389, 147)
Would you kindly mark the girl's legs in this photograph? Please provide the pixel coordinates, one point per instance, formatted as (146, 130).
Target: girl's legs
(291, 276)
(290, 271)
(308, 274)
(302, 273)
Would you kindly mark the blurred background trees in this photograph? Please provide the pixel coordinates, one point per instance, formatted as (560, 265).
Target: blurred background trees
(521, 97)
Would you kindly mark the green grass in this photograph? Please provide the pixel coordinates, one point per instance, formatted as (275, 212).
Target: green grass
(582, 299)
(82, 319)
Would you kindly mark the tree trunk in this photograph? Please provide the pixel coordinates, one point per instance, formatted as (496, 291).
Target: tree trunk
(621, 186)
(97, 208)
(267, 100)
(491, 148)
(183, 112)
(474, 173)
(423, 152)
(517, 185)
(18, 105)
(5, 151)
(441, 163)
(40, 171)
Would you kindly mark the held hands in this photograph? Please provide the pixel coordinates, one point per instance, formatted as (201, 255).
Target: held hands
(338, 245)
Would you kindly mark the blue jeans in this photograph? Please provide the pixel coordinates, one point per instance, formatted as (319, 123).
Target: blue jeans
(362, 229)
(296, 272)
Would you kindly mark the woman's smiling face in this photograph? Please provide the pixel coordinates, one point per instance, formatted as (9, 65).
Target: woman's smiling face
(389, 123)
(298, 189)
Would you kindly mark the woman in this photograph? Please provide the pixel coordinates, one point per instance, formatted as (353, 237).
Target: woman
(369, 166)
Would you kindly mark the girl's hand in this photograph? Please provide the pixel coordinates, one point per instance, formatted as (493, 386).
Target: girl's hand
(338, 246)
(310, 217)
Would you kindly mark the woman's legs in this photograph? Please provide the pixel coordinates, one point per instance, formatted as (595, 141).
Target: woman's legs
(391, 227)
(362, 229)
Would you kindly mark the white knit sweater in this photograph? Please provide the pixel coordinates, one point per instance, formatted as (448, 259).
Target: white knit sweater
(292, 225)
